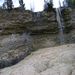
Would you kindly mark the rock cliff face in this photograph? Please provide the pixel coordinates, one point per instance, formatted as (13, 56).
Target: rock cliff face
(19, 22)
(73, 18)
(15, 40)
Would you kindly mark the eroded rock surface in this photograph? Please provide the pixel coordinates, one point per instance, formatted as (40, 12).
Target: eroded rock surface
(14, 48)
(19, 22)
(48, 61)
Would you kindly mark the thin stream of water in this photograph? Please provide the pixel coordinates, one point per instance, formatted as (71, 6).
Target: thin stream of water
(60, 26)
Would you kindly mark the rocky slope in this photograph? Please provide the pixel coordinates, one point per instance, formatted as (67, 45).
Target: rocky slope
(14, 48)
(16, 43)
(48, 61)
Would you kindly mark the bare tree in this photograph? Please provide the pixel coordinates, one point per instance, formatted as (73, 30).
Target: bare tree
(8, 4)
(21, 4)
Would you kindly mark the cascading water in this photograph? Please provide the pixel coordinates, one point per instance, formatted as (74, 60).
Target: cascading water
(57, 4)
(60, 26)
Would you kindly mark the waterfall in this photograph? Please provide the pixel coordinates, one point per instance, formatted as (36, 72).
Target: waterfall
(60, 26)
(57, 5)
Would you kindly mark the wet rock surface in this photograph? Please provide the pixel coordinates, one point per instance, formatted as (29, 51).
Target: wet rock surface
(48, 61)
